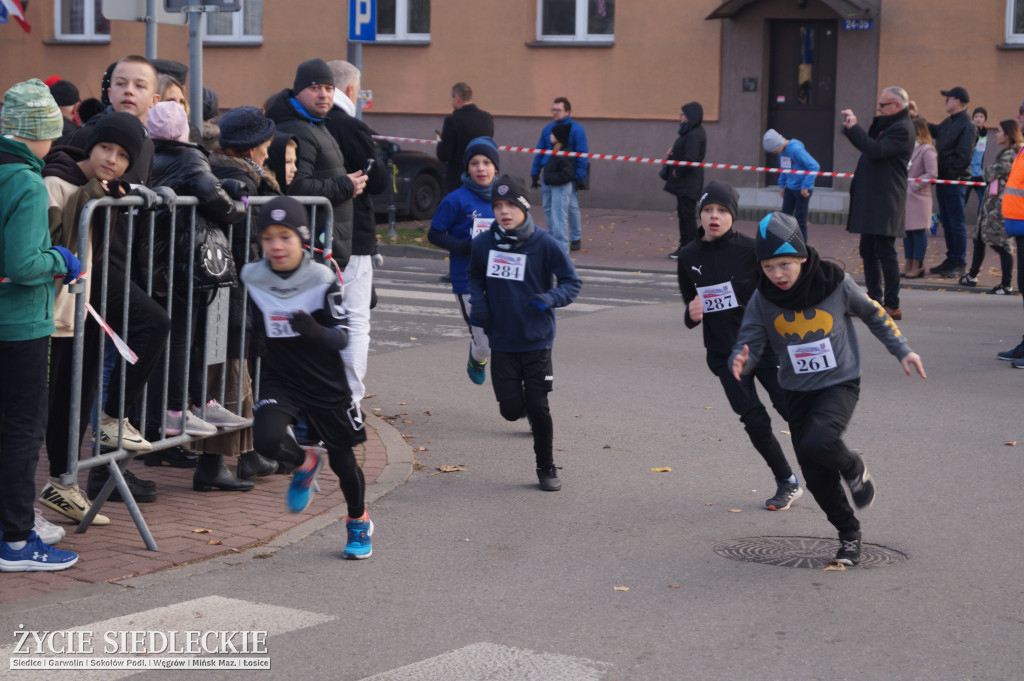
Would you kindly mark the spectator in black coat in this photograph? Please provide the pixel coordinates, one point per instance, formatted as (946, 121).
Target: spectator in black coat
(466, 123)
(686, 182)
(878, 193)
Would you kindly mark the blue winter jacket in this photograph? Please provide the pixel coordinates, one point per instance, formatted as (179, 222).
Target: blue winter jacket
(577, 143)
(502, 305)
(795, 157)
(451, 228)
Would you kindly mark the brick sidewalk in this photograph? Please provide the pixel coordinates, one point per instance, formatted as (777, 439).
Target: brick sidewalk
(234, 520)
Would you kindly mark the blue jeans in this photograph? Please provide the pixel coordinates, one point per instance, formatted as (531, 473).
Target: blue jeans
(951, 214)
(796, 205)
(915, 244)
(558, 210)
(575, 228)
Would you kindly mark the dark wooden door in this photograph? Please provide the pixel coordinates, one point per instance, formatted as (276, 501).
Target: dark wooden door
(802, 92)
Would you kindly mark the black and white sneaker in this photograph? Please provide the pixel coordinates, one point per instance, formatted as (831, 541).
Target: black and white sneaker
(848, 553)
(785, 495)
(862, 487)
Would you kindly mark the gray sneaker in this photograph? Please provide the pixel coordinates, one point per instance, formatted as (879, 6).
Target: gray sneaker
(216, 415)
(786, 494)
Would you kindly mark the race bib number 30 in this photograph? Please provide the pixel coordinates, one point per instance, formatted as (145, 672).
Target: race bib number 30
(506, 265)
(811, 358)
(278, 325)
(718, 297)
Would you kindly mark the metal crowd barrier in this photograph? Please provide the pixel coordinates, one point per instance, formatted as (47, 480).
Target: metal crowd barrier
(143, 223)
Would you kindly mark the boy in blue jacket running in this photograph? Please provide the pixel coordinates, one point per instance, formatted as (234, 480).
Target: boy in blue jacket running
(794, 188)
(511, 268)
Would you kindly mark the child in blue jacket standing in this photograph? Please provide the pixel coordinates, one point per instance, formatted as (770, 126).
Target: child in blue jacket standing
(794, 188)
(511, 297)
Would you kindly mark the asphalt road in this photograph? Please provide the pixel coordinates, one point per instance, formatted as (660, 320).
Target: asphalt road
(477, 574)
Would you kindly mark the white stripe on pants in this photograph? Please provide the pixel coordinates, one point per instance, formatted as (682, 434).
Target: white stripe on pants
(479, 346)
(358, 280)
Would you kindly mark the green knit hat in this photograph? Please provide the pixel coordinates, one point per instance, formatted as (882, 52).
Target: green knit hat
(30, 112)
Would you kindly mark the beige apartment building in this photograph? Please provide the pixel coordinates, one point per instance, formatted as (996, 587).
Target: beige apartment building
(627, 67)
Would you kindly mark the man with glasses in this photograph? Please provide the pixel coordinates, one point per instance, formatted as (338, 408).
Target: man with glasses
(561, 111)
(954, 143)
(878, 193)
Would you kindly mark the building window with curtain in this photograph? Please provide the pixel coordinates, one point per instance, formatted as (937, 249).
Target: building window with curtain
(244, 27)
(1015, 22)
(80, 21)
(403, 20)
(576, 21)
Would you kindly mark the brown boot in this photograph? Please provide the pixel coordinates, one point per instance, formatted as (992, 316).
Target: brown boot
(915, 269)
(907, 267)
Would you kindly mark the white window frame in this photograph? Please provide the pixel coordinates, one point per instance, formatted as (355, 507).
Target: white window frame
(1011, 37)
(236, 37)
(88, 34)
(581, 35)
(402, 34)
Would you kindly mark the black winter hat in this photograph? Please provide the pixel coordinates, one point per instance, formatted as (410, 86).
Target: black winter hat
(65, 93)
(211, 106)
(778, 234)
(722, 193)
(244, 128)
(174, 69)
(120, 128)
(312, 72)
(507, 188)
(287, 212)
(561, 132)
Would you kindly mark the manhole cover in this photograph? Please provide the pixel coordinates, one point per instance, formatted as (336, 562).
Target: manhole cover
(801, 552)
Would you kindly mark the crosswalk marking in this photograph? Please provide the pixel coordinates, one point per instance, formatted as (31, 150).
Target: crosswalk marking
(211, 613)
(497, 663)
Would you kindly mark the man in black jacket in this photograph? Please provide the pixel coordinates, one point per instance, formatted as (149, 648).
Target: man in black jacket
(355, 139)
(466, 123)
(685, 182)
(954, 142)
(302, 111)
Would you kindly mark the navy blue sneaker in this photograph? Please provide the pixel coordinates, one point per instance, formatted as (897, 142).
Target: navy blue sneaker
(37, 556)
(359, 545)
(848, 553)
(477, 370)
(1012, 354)
(304, 477)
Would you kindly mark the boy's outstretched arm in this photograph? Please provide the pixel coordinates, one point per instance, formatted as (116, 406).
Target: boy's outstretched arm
(913, 360)
(740, 361)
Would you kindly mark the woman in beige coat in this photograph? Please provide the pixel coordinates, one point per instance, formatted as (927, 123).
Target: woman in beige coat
(924, 165)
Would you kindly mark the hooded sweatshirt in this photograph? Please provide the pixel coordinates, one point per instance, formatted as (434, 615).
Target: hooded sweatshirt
(690, 145)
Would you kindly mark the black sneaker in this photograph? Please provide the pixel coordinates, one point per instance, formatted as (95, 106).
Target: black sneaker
(674, 255)
(143, 491)
(175, 457)
(951, 271)
(942, 266)
(862, 487)
(968, 280)
(575, 245)
(548, 477)
(786, 494)
(848, 553)
(1000, 290)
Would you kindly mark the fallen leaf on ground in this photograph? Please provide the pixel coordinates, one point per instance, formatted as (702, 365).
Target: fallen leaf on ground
(621, 588)
(1011, 443)
(422, 449)
(835, 567)
(368, 397)
(376, 408)
(606, 447)
(402, 404)
(707, 407)
(450, 469)
(215, 542)
(406, 421)
(735, 510)
(413, 338)
(200, 531)
(673, 586)
(663, 469)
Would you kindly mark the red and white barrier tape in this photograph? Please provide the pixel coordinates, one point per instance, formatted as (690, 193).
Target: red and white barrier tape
(667, 162)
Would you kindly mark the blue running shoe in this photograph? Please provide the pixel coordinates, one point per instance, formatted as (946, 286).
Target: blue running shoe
(299, 491)
(37, 556)
(359, 545)
(477, 370)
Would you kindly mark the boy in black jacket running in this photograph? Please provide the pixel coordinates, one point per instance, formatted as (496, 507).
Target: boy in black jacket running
(717, 275)
(299, 315)
(510, 295)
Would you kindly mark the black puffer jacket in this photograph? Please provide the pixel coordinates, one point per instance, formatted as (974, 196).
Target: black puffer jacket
(355, 139)
(185, 168)
(244, 241)
(321, 168)
(691, 145)
(954, 143)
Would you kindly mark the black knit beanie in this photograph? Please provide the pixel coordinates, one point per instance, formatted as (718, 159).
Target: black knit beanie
(120, 128)
(507, 188)
(312, 72)
(286, 212)
(244, 128)
(561, 132)
(722, 193)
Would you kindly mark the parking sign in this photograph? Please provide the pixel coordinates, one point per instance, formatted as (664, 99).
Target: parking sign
(362, 20)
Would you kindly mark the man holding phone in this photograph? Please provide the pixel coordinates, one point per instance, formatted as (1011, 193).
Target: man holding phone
(357, 146)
